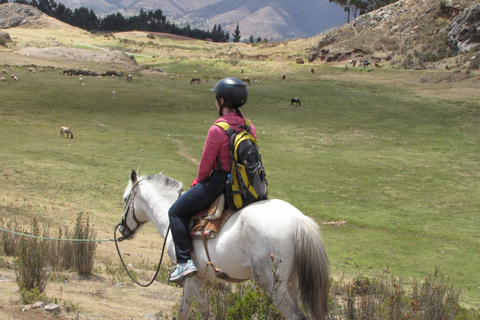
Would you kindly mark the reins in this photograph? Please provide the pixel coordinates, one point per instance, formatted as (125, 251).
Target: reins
(125, 267)
(129, 204)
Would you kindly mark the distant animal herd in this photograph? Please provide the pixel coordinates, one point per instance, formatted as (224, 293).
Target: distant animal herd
(67, 132)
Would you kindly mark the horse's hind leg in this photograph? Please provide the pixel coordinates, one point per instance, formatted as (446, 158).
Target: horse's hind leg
(193, 288)
(284, 294)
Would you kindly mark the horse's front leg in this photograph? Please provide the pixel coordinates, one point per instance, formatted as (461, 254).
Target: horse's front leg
(193, 288)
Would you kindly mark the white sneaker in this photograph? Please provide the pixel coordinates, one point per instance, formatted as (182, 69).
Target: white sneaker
(182, 271)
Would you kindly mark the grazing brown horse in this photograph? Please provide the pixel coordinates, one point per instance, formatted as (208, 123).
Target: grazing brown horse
(246, 80)
(283, 77)
(296, 101)
(67, 71)
(312, 71)
(67, 131)
(196, 80)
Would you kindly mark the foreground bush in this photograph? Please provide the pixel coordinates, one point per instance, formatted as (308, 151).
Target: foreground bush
(31, 266)
(37, 255)
(379, 298)
(84, 251)
(10, 241)
(386, 297)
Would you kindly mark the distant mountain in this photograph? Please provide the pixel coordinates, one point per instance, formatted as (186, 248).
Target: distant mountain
(271, 19)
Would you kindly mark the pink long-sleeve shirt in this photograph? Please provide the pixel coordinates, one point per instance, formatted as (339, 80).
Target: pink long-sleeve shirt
(217, 145)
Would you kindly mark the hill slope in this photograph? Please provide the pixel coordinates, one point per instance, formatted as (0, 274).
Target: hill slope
(407, 34)
(277, 19)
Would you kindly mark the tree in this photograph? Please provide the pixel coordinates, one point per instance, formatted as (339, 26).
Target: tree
(63, 13)
(47, 6)
(114, 21)
(236, 34)
(251, 39)
(85, 19)
(354, 7)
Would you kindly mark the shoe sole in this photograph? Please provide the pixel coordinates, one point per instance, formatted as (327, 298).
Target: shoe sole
(188, 275)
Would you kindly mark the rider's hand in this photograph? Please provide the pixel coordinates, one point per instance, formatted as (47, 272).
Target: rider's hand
(194, 182)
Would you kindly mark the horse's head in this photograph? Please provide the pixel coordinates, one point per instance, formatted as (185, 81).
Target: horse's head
(130, 220)
(141, 195)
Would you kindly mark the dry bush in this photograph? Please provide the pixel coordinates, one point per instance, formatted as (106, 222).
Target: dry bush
(386, 298)
(386, 44)
(31, 265)
(84, 247)
(10, 240)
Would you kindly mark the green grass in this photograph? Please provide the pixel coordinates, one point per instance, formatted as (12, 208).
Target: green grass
(401, 170)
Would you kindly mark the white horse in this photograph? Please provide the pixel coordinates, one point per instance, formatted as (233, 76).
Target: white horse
(245, 248)
(67, 131)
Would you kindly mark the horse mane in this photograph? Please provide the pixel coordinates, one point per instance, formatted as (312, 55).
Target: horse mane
(165, 185)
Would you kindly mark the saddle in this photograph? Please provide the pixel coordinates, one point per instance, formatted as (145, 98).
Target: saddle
(207, 223)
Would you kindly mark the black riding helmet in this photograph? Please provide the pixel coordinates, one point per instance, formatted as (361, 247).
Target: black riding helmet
(232, 90)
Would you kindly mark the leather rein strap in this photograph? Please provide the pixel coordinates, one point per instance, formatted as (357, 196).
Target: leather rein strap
(218, 272)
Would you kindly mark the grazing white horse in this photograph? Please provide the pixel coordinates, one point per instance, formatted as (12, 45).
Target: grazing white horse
(245, 248)
(66, 131)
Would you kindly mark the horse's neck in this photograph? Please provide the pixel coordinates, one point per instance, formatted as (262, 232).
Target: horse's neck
(157, 208)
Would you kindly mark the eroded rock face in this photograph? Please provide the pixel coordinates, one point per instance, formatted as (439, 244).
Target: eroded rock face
(464, 31)
(14, 14)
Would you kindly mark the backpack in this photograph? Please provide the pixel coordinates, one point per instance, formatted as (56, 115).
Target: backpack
(246, 183)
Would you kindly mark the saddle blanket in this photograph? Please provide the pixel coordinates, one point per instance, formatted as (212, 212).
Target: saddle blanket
(207, 223)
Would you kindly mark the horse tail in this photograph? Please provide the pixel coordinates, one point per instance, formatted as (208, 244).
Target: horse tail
(312, 268)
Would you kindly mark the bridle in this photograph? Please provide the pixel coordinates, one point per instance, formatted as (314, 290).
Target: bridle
(129, 207)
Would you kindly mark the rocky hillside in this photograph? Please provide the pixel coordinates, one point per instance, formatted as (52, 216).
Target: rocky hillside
(15, 15)
(408, 34)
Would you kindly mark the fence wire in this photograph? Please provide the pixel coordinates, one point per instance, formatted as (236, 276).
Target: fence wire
(56, 239)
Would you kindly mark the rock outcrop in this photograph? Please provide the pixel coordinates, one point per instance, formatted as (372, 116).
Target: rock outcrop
(464, 31)
(426, 31)
(14, 14)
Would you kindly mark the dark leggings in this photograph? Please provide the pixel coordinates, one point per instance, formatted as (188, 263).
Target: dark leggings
(194, 200)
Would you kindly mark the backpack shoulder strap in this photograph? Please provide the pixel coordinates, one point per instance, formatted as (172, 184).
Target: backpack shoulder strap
(225, 126)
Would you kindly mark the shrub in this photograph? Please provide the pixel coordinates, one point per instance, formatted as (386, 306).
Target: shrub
(10, 240)
(475, 63)
(377, 298)
(386, 298)
(116, 272)
(387, 43)
(66, 249)
(84, 251)
(31, 266)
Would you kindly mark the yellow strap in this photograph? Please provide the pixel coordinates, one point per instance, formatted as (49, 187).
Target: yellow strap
(224, 125)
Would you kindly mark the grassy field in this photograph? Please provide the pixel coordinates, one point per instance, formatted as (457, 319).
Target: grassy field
(401, 169)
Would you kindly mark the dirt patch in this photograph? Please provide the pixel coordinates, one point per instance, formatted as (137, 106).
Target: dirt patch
(59, 56)
(78, 55)
(159, 35)
(96, 297)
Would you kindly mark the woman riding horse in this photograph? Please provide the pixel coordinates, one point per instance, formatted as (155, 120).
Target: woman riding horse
(231, 94)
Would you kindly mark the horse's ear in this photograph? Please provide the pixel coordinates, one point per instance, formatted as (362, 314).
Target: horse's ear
(133, 176)
(161, 172)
